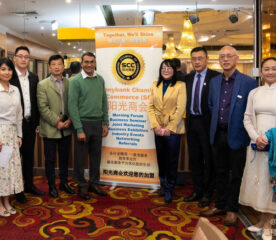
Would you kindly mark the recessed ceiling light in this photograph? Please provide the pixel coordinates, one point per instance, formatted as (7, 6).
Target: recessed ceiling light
(84, 51)
(42, 28)
(80, 49)
(74, 47)
(59, 52)
(68, 1)
(53, 34)
(213, 35)
(69, 44)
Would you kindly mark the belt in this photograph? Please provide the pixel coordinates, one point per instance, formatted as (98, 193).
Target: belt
(27, 119)
(195, 116)
(223, 127)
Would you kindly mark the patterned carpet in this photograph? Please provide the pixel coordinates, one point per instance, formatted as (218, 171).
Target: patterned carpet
(127, 213)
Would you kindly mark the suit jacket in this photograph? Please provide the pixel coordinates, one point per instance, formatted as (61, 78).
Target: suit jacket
(237, 135)
(168, 111)
(189, 79)
(50, 107)
(33, 81)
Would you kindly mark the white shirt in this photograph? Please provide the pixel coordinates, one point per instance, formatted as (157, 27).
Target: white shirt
(25, 86)
(84, 74)
(10, 110)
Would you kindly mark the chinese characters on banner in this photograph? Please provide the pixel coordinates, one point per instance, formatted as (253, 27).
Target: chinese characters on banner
(128, 58)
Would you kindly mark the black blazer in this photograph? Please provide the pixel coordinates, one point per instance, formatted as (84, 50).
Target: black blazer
(189, 79)
(33, 80)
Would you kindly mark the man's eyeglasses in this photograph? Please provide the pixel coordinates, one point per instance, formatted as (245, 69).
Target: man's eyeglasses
(197, 58)
(228, 56)
(21, 57)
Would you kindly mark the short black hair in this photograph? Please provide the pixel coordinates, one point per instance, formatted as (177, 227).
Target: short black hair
(21, 48)
(89, 54)
(168, 63)
(176, 62)
(75, 67)
(55, 57)
(198, 49)
(9, 63)
(267, 59)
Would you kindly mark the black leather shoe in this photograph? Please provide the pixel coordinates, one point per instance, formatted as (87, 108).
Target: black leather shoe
(53, 192)
(204, 202)
(33, 190)
(83, 193)
(161, 194)
(97, 190)
(66, 188)
(193, 197)
(20, 197)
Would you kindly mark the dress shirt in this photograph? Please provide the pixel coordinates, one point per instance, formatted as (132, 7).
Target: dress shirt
(25, 86)
(225, 99)
(202, 78)
(84, 74)
(59, 84)
(10, 110)
(166, 84)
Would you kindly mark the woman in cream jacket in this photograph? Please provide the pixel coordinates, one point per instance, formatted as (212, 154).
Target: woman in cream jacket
(166, 109)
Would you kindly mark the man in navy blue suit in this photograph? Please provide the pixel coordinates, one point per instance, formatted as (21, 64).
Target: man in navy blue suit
(227, 102)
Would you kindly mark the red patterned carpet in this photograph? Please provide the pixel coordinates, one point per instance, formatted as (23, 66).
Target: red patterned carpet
(127, 213)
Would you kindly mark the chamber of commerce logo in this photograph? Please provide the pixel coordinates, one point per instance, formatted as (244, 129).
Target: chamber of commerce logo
(128, 67)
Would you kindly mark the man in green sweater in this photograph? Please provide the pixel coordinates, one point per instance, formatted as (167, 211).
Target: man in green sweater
(88, 110)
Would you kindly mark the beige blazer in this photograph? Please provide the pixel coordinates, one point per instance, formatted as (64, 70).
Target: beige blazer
(168, 111)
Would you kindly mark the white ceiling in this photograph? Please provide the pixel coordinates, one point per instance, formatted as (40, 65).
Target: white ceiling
(213, 16)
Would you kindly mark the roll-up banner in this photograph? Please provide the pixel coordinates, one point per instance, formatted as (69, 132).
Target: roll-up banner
(128, 58)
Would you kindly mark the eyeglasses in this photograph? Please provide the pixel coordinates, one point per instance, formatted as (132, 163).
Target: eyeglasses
(200, 59)
(229, 56)
(167, 69)
(21, 57)
(88, 62)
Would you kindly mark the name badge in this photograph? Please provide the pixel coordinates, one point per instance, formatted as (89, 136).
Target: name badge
(239, 96)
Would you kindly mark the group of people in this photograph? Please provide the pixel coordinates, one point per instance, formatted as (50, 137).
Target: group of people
(55, 109)
(224, 113)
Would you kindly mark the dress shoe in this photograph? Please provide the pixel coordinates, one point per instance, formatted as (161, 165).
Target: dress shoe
(267, 234)
(83, 193)
(230, 219)
(204, 202)
(11, 210)
(212, 212)
(161, 194)
(254, 229)
(20, 197)
(193, 197)
(97, 190)
(4, 213)
(53, 192)
(33, 190)
(66, 188)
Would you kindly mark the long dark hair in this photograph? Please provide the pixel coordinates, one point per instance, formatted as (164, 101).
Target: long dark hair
(168, 63)
(9, 63)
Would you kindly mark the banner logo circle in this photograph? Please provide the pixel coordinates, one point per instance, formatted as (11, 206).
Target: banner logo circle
(128, 67)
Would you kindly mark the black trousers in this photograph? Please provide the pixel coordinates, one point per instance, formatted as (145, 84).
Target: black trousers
(93, 132)
(227, 160)
(167, 149)
(200, 157)
(50, 148)
(27, 152)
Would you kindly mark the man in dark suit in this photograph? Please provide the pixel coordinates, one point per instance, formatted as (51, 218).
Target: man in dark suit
(198, 128)
(27, 84)
(180, 74)
(227, 102)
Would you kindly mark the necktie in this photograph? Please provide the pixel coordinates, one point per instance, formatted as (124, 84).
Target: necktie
(196, 95)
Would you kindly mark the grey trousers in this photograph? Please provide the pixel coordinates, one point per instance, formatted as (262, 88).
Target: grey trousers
(93, 132)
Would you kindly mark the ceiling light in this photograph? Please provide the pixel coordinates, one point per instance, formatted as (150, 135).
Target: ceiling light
(203, 39)
(233, 18)
(80, 49)
(42, 28)
(74, 47)
(69, 44)
(60, 52)
(84, 51)
(53, 34)
(194, 19)
(54, 25)
(213, 36)
(68, 1)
